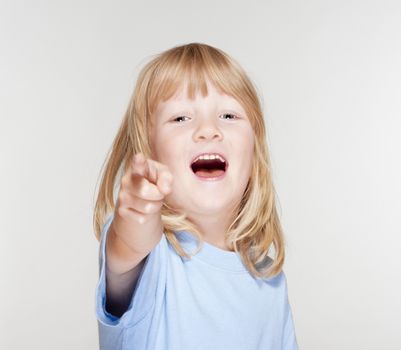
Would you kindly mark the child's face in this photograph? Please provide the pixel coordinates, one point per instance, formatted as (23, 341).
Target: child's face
(206, 124)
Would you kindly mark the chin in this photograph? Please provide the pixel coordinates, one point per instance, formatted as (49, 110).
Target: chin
(212, 208)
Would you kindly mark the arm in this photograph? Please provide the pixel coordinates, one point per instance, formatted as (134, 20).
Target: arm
(135, 230)
(119, 284)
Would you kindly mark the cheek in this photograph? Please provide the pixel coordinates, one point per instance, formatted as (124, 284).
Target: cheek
(153, 137)
(159, 144)
(249, 150)
(247, 143)
(168, 152)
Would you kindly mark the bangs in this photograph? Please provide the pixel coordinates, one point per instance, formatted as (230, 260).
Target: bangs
(192, 67)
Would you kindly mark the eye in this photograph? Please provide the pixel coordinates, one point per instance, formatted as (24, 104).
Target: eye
(179, 117)
(233, 116)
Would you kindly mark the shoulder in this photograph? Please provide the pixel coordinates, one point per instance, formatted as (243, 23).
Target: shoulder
(278, 281)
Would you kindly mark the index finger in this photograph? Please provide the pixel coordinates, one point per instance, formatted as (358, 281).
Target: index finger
(155, 172)
(160, 175)
(140, 166)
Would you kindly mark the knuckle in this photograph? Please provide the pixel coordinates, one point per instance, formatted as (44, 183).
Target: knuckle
(148, 207)
(152, 208)
(140, 218)
(121, 211)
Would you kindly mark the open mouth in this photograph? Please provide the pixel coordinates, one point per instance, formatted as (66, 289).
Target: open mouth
(209, 166)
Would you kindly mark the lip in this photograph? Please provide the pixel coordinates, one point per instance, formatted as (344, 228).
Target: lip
(210, 179)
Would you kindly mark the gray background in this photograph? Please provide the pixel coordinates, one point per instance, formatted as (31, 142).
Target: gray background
(329, 75)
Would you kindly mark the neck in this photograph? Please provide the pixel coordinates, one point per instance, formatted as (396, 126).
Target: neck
(212, 228)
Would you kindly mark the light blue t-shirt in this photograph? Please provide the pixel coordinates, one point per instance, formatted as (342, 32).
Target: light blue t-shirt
(208, 302)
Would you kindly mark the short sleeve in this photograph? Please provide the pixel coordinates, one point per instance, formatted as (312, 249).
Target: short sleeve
(150, 283)
(289, 338)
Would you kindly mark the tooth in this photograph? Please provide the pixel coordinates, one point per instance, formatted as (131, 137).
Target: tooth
(210, 156)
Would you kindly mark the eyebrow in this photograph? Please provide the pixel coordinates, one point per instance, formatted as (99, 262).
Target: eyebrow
(174, 107)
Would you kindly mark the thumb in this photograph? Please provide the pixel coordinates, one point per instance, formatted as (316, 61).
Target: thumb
(164, 182)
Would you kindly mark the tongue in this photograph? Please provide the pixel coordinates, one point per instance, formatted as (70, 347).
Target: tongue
(209, 173)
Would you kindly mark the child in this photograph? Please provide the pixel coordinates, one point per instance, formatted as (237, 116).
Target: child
(183, 259)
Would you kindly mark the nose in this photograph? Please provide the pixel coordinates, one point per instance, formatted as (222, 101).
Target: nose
(207, 129)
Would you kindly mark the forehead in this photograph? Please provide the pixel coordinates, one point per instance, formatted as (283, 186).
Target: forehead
(212, 95)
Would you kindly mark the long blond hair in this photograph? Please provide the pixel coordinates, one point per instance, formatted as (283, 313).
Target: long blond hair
(256, 229)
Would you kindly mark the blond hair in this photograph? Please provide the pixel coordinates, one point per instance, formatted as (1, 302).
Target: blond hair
(256, 229)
